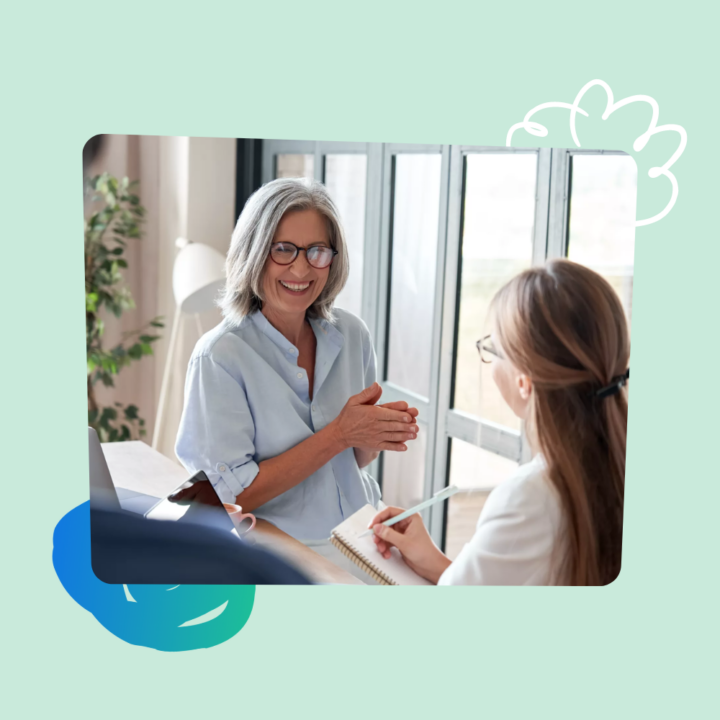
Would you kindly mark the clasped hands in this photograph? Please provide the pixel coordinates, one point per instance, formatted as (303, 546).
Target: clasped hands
(364, 425)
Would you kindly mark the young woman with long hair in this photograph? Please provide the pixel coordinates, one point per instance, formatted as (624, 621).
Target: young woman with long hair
(560, 351)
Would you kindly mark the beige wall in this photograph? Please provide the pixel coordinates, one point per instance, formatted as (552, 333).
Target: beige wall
(188, 188)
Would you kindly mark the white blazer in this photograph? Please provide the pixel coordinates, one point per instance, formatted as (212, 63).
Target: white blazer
(518, 534)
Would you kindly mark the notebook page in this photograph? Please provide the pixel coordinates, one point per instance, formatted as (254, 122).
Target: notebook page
(395, 567)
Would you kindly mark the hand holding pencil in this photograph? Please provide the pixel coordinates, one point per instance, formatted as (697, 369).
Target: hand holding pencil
(436, 498)
(410, 536)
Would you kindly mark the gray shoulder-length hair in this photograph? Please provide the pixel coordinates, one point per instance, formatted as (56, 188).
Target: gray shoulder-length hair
(254, 233)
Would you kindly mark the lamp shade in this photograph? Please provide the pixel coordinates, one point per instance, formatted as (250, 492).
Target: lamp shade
(198, 276)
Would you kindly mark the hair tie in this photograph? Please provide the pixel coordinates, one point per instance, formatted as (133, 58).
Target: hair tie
(614, 387)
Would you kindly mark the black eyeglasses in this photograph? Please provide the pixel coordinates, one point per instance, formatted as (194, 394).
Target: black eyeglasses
(487, 349)
(318, 256)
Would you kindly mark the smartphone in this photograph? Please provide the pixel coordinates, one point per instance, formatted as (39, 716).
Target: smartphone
(209, 511)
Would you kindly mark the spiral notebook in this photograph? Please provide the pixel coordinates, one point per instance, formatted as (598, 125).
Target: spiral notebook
(364, 553)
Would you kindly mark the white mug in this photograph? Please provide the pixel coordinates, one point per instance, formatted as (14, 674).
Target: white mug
(237, 516)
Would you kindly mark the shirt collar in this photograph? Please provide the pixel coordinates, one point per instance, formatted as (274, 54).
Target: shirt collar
(264, 325)
(322, 329)
(329, 343)
(327, 329)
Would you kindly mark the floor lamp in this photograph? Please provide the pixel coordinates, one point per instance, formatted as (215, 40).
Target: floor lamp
(198, 275)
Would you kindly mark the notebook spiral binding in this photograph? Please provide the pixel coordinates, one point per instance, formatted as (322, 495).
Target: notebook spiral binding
(362, 562)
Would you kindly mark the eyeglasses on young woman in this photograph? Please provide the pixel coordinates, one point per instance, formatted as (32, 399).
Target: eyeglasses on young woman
(486, 348)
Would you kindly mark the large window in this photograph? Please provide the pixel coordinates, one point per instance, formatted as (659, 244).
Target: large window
(416, 203)
(346, 180)
(412, 234)
(601, 233)
(433, 232)
(497, 243)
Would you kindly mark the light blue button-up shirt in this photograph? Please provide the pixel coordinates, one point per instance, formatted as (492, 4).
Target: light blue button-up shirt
(247, 400)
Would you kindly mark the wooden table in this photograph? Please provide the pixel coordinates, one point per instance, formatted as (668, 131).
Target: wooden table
(137, 467)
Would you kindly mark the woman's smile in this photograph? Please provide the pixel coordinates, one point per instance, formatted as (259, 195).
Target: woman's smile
(294, 288)
(290, 288)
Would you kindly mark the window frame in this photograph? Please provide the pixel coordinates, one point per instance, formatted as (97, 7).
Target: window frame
(392, 392)
(451, 423)
(550, 240)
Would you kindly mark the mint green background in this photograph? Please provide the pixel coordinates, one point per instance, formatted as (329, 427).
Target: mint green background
(376, 71)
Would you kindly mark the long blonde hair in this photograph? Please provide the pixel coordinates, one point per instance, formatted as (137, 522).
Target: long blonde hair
(564, 326)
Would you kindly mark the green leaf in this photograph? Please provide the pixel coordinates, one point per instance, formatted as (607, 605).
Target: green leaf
(131, 412)
(136, 351)
(92, 416)
(108, 364)
(146, 349)
(157, 323)
(107, 414)
(149, 338)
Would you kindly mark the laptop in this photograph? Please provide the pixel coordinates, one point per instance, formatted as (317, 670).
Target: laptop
(127, 550)
(105, 496)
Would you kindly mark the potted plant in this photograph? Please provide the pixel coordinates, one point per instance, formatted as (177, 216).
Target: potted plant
(107, 232)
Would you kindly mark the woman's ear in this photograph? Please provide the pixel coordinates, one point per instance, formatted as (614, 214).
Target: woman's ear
(524, 384)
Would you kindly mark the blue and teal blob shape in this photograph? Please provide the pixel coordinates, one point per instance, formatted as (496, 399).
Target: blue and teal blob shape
(163, 617)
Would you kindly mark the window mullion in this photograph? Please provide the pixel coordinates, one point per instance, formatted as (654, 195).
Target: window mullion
(437, 320)
(436, 515)
(557, 215)
(542, 206)
(373, 234)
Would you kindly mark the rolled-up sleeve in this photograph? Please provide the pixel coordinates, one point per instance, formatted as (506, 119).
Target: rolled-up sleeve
(217, 430)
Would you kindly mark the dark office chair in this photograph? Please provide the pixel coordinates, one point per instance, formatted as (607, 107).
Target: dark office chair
(132, 550)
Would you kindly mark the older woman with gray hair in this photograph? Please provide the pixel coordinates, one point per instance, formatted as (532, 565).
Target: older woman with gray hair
(280, 398)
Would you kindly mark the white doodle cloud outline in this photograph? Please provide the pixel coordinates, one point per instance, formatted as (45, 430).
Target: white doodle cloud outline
(538, 130)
